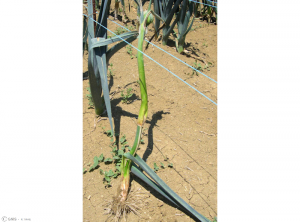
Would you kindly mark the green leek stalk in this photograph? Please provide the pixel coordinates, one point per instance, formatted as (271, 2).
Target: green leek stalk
(126, 163)
(128, 159)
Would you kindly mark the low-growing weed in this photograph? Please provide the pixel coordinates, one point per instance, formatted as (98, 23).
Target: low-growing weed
(89, 96)
(129, 51)
(96, 162)
(209, 64)
(156, 168)
(126, 96)
(109, 134)
(119, 31)
(162, 166)
(197, 66)
(116, 159)
(131, 28)
(110, 70)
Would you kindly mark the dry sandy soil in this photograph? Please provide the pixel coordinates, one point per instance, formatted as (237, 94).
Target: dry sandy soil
(181, 127)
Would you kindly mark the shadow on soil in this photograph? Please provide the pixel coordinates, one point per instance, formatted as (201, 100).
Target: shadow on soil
(118, 112)
(155, 117)
(160, 197)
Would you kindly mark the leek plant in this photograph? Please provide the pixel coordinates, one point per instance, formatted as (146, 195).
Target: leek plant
(99, 56)
(120, 205)
(184, 16)
(183, 11)
(209, 11)
(198, 9)
(97, 68)
(216, 11)
(126, 163)
(84, 38)
(166, 9)
(117, 8)
(117, 2)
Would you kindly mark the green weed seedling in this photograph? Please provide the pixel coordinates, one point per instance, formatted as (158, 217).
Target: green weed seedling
(126, 96)
(194, 28)
(116, 158)
(156, 168)
(206, 67)
(95, 165)
(169, 164)
(110, 70)
(209, 64)
(197, 66)
(117, 154)
(162, 165)
(89, 96)
(109, 134)
(107, 176)
(108, 160)
(129, 51)
(96, 162)
(144, 133)
(131, 28)
(119, 31)
(123, 142)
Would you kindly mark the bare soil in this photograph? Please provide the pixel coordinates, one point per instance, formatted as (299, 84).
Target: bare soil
(181, 127)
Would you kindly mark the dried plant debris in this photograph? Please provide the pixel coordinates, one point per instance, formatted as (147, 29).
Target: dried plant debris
(134, 203)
